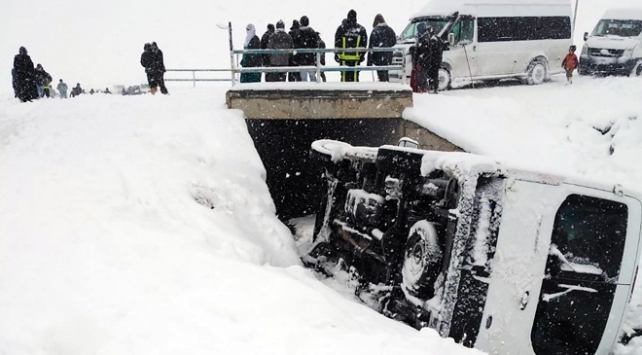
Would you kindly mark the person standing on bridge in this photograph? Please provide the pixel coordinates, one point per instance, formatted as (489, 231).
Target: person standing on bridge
(279, 40)
(421, 59)
(294, 32)
(350, 35)
(306, 38)
(252, 42)
(382, 36)
(321, 45)
(264, 44)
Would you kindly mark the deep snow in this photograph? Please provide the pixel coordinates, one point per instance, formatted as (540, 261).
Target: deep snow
(142, 225)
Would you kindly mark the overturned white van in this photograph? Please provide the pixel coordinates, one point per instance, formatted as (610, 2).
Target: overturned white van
(494, 39)
(615, 46)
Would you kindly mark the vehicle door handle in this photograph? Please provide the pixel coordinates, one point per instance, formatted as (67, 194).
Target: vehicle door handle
(474, 48)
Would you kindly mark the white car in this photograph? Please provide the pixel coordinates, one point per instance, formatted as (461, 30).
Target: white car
(615, 46)
(490, 40)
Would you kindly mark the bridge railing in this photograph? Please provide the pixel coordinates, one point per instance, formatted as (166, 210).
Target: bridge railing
(194, 79)
(318, 68)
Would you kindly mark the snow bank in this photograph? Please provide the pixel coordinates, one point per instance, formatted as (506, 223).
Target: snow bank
(142, 225)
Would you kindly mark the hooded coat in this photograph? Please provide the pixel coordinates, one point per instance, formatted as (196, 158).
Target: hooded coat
(280, 40)
(306, 37)
(25, 76)
(382, 36)
(350, 35)
(252, 41)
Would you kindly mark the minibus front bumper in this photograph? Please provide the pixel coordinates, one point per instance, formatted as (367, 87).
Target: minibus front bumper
(606, 66)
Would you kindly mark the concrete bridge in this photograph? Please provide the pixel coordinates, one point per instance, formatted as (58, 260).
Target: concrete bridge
(285, 118)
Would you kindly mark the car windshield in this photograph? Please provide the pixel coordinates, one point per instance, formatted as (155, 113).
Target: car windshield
(410, 33)
(621, 28)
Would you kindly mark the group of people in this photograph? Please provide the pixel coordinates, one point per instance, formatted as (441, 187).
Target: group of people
(349, 35)
(31, 83)
(152, 61)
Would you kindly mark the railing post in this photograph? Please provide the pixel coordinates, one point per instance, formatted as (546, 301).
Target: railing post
(318, 56)
(193, 78)
(229, 27)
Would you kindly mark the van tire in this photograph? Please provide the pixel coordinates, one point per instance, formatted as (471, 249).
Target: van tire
(422, 259)
(637, 70)
(537, 72)
(446, 83)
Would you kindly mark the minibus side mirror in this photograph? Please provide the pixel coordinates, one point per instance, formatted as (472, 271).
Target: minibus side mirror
(586, 36)
(451, 39)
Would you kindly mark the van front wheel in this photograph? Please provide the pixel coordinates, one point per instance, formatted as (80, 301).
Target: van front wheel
(537, 73)
(445, 80)
(637, 69)
(423, 256)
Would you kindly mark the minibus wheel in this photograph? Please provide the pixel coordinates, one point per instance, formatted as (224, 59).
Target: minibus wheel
(422, 260)
(537, 72)
(637, 69)
(445, 79)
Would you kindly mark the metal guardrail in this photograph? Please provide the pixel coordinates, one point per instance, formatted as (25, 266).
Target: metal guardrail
(194, 79)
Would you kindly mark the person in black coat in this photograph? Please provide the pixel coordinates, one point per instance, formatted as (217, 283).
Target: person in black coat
(306, 37)
(421, 57)
(382, 36)
(436, 57)
(322, 46)
(294, 30)
(279, 40)
(146, 60)
(350, 35)
(14, 82)
(264, 42)
(157, 69)
(25, 76)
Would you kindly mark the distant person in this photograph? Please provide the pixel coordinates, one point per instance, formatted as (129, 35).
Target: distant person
(77, 91)
(157, 70)
(107, 91)
(14, 82)
(322, 46)
(123, 92)
(91, 92)
(252, 41)
(570, 63)
(146, 60)
(436, 57)
(294, 30)
(279, 40)
(420, 60)
(62, 89)
(306, 38)
(42, 80)
(264, 44)
(382, 36)
(350, 35)
(25, 76)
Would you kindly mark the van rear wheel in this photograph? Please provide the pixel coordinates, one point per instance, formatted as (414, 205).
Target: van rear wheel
(537, 72)
(423, 256)
(637, 69)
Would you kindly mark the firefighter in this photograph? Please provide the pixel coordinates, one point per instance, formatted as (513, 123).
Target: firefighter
(350, 35)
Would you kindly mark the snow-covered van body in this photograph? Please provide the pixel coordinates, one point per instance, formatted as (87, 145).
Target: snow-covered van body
(506, 261)
(494, 39)
(615, 46)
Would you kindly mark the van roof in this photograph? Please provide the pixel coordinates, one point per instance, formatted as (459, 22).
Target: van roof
(448, 7)
(623, 14)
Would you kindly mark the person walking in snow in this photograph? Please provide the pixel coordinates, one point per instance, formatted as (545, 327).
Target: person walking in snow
(76, 91)
(350, 35)
(252, 41)
(145, 61)
(306, 38)
(25, 76)
(279, 40)
(570, 63)
(157, 70)
(322, 46)
(14, 82)
(294, 76)
(382, 36)
(436, 57)
(421, 59)
(62, 89)
(264, 44)
(42, 79)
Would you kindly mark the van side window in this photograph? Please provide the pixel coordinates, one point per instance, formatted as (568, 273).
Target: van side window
(464, 30)
(503, 29)
(589, 236)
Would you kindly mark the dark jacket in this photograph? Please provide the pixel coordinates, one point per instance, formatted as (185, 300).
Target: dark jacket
(156, 62)
(306, 37)
(253, 60)
(280, 40)
(322, 46)
(146, 59)
(23, 66)
(265, 39)
(436, 52)
(421, 52)
(350, 35)
(42, 77)
(382, 36)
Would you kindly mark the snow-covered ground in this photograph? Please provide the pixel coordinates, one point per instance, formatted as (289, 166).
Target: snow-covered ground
(142, 225)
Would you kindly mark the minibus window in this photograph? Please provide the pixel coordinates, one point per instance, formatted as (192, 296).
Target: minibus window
(589, 236)
(621, 28)
(410, 32)
(464, 31)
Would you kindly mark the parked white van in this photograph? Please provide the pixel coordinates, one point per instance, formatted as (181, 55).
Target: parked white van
(494, 39)
(615, 46)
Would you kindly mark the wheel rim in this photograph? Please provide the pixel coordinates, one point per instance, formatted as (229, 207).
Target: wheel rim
(444, 79)
(538, 74)
(638, 69)
(416, 257)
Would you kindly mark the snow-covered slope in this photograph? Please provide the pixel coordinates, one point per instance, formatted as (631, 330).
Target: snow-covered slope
(142, 225)
(99, 43)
